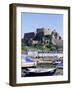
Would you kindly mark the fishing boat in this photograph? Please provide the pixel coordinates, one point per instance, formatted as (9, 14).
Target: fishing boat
(39, 71)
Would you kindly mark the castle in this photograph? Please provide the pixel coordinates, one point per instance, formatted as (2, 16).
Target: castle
(43, 36)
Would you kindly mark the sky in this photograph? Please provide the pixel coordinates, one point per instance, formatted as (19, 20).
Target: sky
(31, 21)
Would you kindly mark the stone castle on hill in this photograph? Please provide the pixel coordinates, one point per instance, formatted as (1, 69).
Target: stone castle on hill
(43, 36)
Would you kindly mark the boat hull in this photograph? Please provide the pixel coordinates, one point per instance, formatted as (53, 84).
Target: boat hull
(31, 74)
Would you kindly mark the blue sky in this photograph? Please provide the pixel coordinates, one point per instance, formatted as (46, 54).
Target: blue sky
(31, 21)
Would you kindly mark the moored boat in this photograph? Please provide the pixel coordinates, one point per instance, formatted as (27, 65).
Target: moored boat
(39, 72)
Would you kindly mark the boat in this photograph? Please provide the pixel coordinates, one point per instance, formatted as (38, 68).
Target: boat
(60, 66)
(39, 72)
(57, 62)
(28, 62)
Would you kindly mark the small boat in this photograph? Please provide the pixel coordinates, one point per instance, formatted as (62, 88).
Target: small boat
(60, 66)
(28, 62)
(39, 72)
(57, 62)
